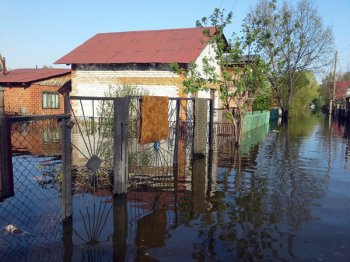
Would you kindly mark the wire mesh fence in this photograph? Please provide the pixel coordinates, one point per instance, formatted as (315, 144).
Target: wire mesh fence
(31, 219)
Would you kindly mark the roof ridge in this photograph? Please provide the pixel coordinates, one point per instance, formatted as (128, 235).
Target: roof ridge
(157, 30)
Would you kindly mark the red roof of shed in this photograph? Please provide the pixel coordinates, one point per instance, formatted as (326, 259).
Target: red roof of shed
(155, 46)
(31, 75)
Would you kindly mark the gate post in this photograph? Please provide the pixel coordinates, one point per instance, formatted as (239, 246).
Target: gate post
(66, 161)
(120, 148)
(6, 172)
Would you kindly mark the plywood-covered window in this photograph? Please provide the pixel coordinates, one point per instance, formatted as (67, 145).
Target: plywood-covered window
(51, 100)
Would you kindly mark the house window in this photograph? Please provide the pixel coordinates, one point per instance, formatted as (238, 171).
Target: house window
(51, 100)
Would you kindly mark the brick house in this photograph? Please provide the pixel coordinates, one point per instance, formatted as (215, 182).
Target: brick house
(141, 59)
(34, 91)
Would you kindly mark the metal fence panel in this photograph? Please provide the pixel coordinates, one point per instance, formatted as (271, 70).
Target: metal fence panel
(31, 219)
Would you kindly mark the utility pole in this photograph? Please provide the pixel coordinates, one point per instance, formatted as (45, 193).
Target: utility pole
(332, 101)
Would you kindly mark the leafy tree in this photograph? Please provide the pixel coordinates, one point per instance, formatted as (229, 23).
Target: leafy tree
(306, 91)
(238, 80)
(326, 89)
(262, 99)
(291, 39)
(345, 76)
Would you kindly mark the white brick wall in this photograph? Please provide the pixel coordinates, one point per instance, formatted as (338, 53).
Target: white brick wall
(103, 76)
(87, 108)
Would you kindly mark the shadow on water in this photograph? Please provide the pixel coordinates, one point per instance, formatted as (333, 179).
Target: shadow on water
(282, 196)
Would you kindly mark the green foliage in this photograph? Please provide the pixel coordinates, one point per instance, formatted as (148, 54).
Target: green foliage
(326, 89)
(239, 80)
(318, 103)
(306, 92)
(345, 76)
(291, 39)
(262, 100)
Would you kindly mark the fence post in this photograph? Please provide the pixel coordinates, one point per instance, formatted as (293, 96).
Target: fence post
(211, 124)
(120, 133)
(66, 161)
(6, 171)
(176, 159)
(177, 137)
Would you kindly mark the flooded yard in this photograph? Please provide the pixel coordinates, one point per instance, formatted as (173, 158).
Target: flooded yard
(283, 197)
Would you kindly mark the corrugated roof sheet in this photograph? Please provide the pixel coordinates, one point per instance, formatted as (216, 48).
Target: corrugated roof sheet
(156, 46)
(29, 75)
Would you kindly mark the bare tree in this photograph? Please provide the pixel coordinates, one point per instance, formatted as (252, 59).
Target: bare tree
(291, 39)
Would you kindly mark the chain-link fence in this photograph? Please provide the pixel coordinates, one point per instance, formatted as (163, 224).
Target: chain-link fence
(31, 219)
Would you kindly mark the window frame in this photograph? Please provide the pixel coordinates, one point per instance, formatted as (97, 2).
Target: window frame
(50, 102)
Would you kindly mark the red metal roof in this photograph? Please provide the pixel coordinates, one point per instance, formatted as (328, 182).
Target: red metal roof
(29, 75)
(341, 88)
(155, 46)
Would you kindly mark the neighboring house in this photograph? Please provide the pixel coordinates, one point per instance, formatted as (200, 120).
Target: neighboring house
(342, 94)
(139, 58)
(34, 91)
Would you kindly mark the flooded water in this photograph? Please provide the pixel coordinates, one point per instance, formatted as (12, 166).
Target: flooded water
(287, 200)
(284, 196)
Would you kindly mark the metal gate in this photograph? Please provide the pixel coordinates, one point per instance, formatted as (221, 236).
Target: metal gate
(107, 153)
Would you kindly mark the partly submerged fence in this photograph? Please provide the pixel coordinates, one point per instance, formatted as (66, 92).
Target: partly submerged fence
(30, 191)
(37, 190)
(255, 119)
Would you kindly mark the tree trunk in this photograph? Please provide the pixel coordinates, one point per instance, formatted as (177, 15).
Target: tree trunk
(285, 112)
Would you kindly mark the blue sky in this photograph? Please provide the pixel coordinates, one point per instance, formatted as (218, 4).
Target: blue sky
(36, 32)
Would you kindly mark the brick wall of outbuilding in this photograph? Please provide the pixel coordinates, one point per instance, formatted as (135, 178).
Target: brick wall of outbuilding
(98, 81)
(29, 100)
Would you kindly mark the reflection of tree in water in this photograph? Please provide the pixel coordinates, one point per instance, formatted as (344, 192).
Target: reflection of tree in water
(253, 215)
